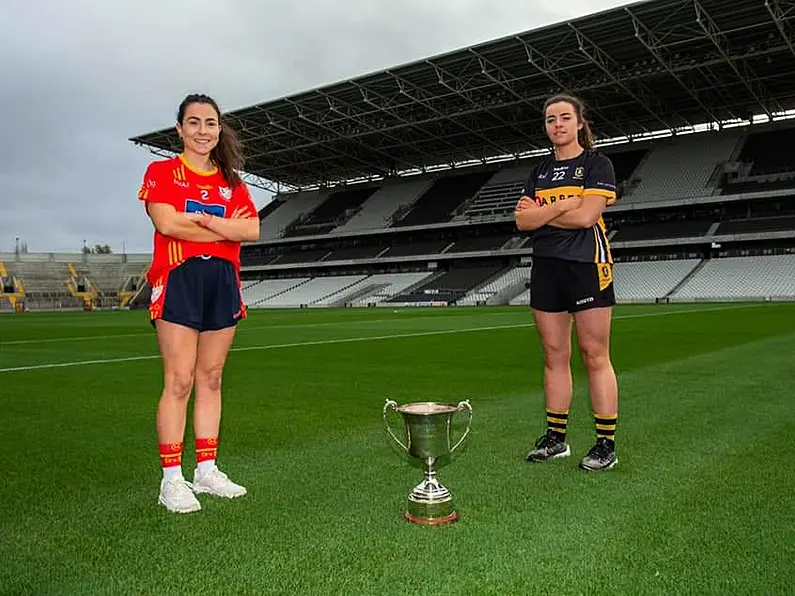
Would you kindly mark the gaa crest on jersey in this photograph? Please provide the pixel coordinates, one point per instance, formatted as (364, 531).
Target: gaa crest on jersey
(157, 291)
(225, 192)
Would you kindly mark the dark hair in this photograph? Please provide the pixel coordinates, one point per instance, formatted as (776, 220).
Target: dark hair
(584, 135)
(227, 155)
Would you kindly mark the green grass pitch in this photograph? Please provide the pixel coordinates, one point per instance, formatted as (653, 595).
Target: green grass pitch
(701, 501)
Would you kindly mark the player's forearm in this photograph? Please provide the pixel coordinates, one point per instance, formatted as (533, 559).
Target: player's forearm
(532, 218)
(236, 230)
(183, 229)
(584, 216)
(571, 220)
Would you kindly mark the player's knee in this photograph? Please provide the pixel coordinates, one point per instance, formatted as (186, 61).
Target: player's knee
(594, 356)
(210, 377)
(556, 355)
(179, 384)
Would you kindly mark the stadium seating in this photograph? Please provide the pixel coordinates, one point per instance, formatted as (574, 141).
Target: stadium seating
(385, 286)
(499, 195)
(257, 292)
(514, 277)
(355, 252)
(650, 280)
(275, 223)
(109, 277)
(739, 278)
(450, 286)
(378, 209)
(480, 243)
(336, 209)
(757, 225)
(625, 162)
(522, 299)
(428, 247)
(40, 277)
(657, 230)
(681, 167)
(443, 197)
(312, 291)
(763, 152)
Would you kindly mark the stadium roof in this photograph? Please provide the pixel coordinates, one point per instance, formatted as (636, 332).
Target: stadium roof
(661, 65)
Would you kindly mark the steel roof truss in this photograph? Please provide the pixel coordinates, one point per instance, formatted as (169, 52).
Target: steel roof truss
(740, 68)
(607, 65)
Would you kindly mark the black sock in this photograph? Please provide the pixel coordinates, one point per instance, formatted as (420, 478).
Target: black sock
(557, 421)
(606, 427)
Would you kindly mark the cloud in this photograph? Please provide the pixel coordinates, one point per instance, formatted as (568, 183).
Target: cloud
(86, 75)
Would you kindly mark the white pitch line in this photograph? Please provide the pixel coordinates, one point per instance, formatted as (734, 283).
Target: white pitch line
(321, 342)
(53, 340)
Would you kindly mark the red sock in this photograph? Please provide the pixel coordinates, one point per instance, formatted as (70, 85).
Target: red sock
(206, 450)
(171, 457)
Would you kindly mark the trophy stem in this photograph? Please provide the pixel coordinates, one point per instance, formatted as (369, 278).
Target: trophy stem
(430, 502)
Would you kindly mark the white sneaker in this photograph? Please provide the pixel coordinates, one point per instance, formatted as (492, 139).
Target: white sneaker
(215, 482)
(176, 496)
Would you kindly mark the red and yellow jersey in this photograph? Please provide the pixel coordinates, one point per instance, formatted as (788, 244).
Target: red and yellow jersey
(189, 190)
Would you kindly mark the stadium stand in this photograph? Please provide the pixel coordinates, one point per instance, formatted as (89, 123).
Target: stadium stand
(766, 277)
(757, 226)
(498, 196)
(258, 292)
(288, 210)
(407, 195)
(439, 202)
(511, 283)
(312, 291)
(662, 229)
(648, 281)
(761, 165)
(681, 167)
(450, 286)
(66, 281)
(338, 208)
(377, 211)
(386, 286)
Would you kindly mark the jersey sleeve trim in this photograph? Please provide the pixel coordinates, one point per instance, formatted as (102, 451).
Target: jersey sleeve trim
(608, 194)
(600, 179)
(153, 188)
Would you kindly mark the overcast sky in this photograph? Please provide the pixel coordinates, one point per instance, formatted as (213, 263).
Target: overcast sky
(79, 77)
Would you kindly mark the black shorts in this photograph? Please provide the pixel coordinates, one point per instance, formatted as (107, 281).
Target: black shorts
(557, 285)
(202, 293)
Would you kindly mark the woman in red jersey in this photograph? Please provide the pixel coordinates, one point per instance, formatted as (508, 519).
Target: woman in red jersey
(201, 211)
(572, 277)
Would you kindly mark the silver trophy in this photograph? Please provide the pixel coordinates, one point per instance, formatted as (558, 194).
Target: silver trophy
(427, 439)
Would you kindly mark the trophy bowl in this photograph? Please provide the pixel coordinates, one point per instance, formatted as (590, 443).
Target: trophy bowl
(427, 440)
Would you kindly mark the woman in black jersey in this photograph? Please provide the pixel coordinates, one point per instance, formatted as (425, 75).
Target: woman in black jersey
(572, 277)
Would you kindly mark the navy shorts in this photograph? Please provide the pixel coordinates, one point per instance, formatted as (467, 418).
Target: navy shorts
(202, 293)
(558, 285)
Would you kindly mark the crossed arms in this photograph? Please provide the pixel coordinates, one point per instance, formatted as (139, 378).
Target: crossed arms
(203, 227)
(570, 214)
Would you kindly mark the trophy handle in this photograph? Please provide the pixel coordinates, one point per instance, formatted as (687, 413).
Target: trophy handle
(464, 405)
(392, 405)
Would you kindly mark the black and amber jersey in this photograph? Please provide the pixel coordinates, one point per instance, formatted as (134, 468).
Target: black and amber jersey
(590, 173)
